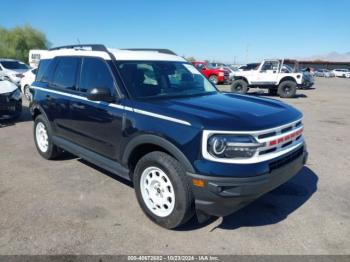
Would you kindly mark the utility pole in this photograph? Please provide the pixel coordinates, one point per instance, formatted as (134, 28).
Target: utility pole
(247, 53)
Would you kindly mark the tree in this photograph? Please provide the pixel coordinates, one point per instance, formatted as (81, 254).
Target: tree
(16, 42)
(190, 59)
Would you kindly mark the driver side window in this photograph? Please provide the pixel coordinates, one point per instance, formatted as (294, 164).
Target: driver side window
(270, 65)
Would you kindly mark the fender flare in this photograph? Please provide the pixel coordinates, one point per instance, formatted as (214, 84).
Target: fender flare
(241, 78)
(287, 78)
(34, 107)
(157, 141)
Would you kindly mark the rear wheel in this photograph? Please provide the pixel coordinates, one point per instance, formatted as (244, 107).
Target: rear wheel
(163, 190)
(287, 89)
(239, 86)
(214, 79)
(43, 139)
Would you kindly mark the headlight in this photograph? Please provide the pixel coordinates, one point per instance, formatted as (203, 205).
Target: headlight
(232, 146)
(221, 73)
(16, 94)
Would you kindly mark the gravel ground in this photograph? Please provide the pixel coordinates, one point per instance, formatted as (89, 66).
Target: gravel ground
(69, 206)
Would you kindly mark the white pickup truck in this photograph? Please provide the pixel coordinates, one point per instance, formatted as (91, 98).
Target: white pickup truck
(279, 76)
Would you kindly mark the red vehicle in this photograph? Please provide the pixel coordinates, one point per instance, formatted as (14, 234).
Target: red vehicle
(215, 75)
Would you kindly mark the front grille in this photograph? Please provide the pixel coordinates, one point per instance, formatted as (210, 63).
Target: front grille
(287, 159)
(267, 135)
(3, 99)
(8, 108)
(279, 139)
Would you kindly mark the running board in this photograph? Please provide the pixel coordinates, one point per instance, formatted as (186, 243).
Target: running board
(92, 157)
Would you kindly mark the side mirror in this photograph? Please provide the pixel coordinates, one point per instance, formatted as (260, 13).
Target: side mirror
(100, 94)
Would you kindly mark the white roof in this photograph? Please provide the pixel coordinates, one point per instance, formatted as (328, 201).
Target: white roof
(119, 54)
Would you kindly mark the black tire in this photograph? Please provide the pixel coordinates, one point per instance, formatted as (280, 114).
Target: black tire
(213, 79)
(273, 91)
(52, 151)
(184, 201)
(287, 89)
(239, 86)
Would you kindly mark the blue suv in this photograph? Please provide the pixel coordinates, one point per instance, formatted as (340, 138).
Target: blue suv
(150, 117)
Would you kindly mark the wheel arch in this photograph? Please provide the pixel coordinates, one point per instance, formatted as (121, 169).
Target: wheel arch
(241, 78)
(36, 110)
(143, 144)
(287, 78)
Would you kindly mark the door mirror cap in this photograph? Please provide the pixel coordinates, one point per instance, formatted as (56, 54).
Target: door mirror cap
(100, 94)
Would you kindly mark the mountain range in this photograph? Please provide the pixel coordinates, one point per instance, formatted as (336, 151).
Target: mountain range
(332, 57)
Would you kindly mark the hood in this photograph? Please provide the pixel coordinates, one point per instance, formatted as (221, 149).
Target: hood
(223, 111)
(16, 71)
(7, 87)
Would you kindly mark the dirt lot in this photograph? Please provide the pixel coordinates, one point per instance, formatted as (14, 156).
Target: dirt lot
(70, 207)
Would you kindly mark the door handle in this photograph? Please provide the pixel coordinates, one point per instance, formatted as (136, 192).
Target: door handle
(48, 98)
(78, 106)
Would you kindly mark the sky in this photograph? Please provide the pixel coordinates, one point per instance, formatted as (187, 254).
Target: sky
(223, 30)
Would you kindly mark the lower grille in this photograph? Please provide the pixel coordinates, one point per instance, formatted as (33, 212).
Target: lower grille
(287, 159)
(10, 107)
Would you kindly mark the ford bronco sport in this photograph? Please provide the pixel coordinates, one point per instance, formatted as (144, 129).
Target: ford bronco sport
(154, 119)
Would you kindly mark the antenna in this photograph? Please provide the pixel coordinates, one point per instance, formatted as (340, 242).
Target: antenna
(78, 40)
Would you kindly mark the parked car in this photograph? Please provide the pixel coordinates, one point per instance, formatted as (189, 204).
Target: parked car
(214, 74)
(279, 76)
(231, 71)
(10, 100)
(341, 73)
(249, 67)
(26, 81)
(154, 119)
(12, 70)
(324, 73)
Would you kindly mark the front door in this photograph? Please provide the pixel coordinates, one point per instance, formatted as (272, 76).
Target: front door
(267, 73)
(96, 125)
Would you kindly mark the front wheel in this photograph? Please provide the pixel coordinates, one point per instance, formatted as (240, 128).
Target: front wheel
(239, 86)
(163, 190)
(287, 89)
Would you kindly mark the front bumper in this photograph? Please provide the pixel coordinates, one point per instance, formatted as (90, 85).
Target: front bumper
(9, 107)
(221, 196)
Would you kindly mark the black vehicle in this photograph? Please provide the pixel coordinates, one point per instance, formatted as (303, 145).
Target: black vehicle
(153, 118)
(10, 100)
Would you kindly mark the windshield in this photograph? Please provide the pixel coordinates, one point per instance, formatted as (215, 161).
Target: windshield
(163, 79)
(14, 65)
(210, 66)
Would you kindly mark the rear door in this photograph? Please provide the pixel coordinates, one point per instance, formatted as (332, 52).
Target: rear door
(96, 125)
(61, 85)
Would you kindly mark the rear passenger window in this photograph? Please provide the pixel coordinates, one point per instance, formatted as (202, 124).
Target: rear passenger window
(42, 69)
(66, 72)
(95, 73)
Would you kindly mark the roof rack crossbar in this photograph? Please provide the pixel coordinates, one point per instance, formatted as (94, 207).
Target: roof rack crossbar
(94, 47)
(160, 50)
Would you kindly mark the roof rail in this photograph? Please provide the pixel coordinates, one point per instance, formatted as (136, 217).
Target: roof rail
(159, 50)
(94, 47)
